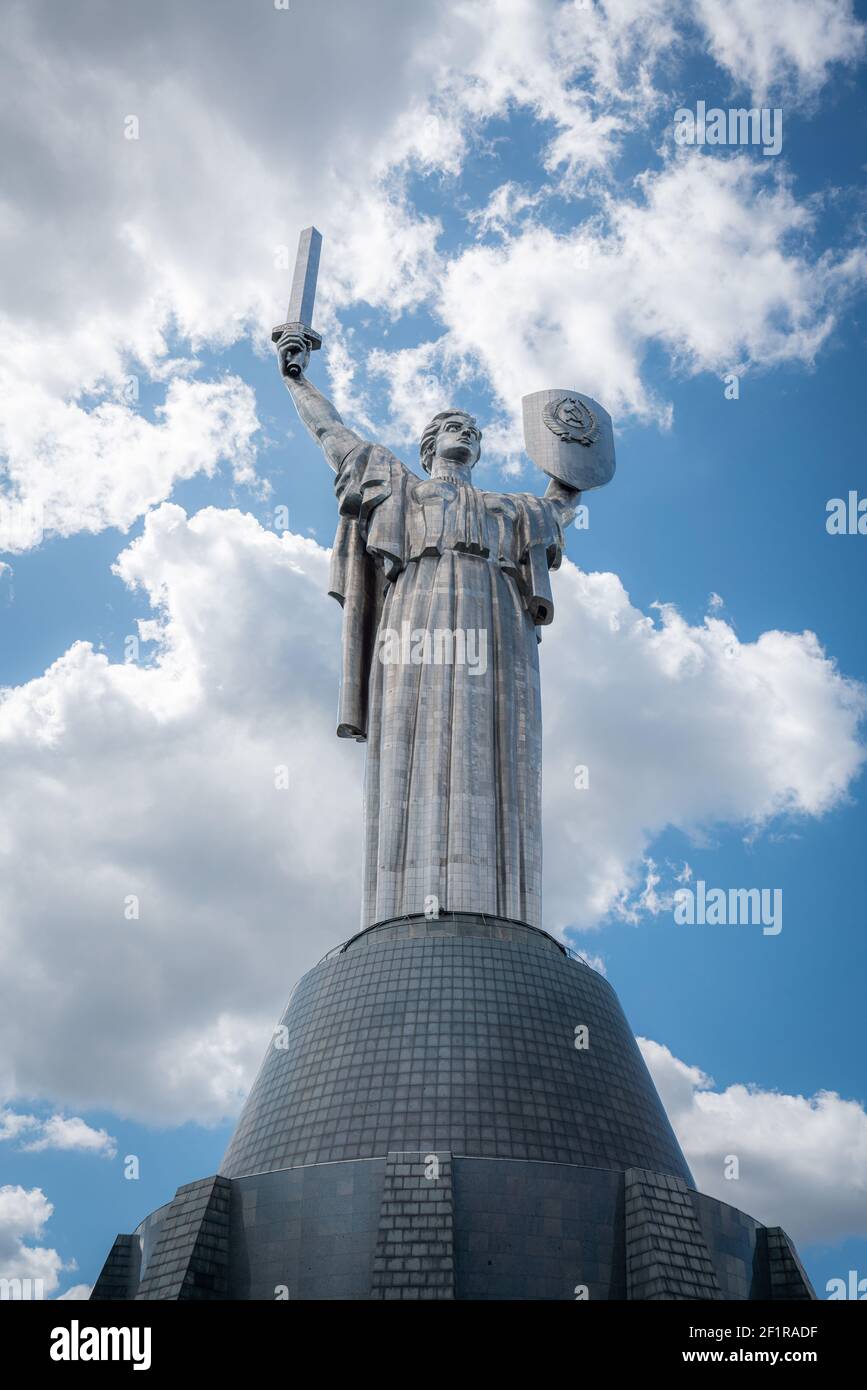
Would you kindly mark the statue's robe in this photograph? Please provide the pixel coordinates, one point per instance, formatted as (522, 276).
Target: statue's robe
(452, 787)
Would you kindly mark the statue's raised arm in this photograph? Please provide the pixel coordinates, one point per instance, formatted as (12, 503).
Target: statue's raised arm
(316, 412)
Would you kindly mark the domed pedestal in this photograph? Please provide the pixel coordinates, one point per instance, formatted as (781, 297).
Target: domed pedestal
(452, 1109)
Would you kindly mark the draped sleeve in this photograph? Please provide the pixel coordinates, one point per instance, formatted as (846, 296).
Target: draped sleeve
(368, 551)
(540, 543)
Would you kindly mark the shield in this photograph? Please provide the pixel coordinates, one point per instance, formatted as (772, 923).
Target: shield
(569, 436)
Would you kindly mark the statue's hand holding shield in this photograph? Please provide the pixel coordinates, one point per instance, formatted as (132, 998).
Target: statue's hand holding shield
(569, 436)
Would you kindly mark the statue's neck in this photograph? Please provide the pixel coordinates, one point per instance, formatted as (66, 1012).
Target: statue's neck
(447, 472)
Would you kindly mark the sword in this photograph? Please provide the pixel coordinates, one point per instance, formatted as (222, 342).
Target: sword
(299, 315)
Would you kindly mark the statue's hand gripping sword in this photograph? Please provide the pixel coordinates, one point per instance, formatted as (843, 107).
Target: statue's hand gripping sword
(299, 315)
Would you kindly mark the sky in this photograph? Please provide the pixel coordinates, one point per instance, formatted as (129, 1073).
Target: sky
(506, 206)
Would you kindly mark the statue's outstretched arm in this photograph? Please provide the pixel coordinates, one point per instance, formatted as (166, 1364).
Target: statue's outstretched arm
(565, 497)
(316, 412)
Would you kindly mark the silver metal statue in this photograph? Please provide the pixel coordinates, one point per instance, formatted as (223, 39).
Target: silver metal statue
(444, 588)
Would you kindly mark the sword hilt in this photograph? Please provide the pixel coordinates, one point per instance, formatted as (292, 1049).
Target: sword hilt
(313, 339)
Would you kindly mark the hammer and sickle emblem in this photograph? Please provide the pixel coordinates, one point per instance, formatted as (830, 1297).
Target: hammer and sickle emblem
(571, 421)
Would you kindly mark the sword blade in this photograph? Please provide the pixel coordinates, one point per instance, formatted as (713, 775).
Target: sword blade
(304, 280)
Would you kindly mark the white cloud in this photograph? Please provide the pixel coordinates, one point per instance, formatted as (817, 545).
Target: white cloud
(564, 63)
(68, 1133)
(679, 725)
(595, 962)
(707, 261)
(781, 46)
(23, 1217)
(71, 1135)
(179, 227)
(88, 469)
(802, 1160)
(118, 256)
(77, 1293)
(504, 208)
(159, 781)
(13, 1126)
(126, 255)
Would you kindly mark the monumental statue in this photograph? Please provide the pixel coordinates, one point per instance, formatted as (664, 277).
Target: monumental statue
(444, 589)
(452, 1105)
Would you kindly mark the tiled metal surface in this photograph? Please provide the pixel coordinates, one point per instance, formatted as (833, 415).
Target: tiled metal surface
(452, 783)
(191, 1256)
(666, 1253)
(734, 1239)
(569, 436)
(414, 1256)
(426, 1127)
(787, 1277)
(119, 1277)
(468, 1228)
(455, 1044)
(306, 1233)
(538, 1231)
(444, 588)
(452, 787)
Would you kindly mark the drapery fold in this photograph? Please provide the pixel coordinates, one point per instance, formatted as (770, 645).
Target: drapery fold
(453, 762)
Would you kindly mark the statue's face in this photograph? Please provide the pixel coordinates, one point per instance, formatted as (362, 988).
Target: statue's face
(458, 441)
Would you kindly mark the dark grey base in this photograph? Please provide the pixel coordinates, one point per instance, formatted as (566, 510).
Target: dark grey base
(477, 1228)
(424, 1127)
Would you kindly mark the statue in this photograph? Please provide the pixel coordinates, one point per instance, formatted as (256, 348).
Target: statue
(444, 589)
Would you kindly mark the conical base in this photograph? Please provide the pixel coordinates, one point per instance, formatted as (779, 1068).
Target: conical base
(452, 1109)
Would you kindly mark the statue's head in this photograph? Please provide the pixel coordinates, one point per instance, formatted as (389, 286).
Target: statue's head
(452, 435)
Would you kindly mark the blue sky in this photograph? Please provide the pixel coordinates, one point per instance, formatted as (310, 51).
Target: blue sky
(135, 779)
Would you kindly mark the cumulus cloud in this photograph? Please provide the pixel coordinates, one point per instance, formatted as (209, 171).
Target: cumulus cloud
(71, 1135)
(23, 1216)
(71, 469)
(13, 1125)
(679, 725)
(167, 878)
(802, 1160)
(156, 871)
(707, 260)
(179, 225)
(56, 1132)
(583, 71)
(124, 255)
(785, 47)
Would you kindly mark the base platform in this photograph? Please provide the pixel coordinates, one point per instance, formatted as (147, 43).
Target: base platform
(453, 1108)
